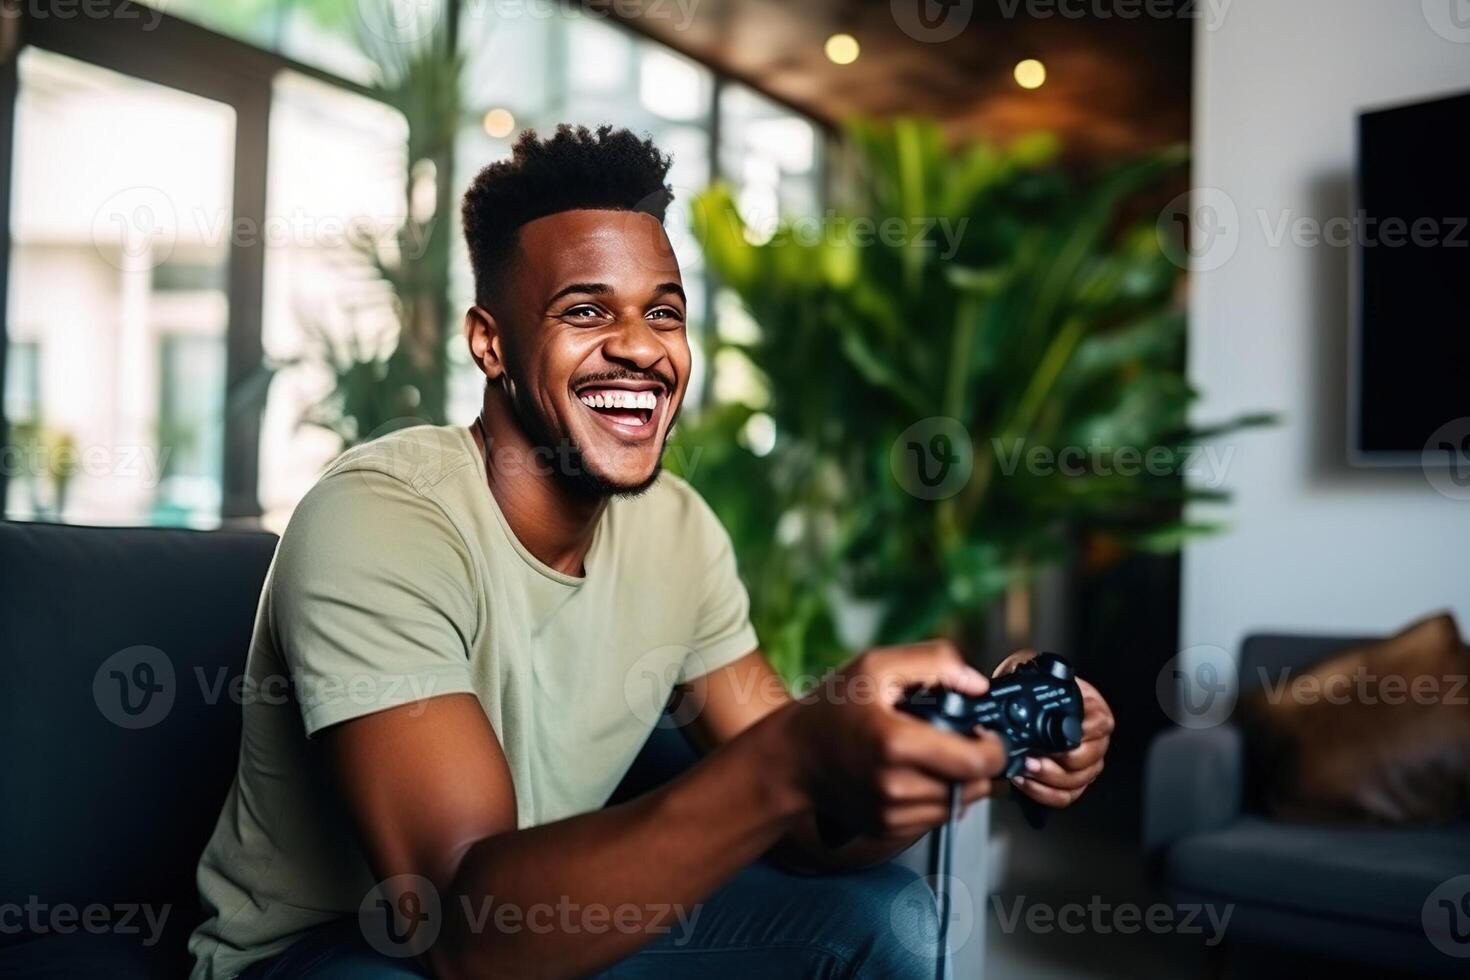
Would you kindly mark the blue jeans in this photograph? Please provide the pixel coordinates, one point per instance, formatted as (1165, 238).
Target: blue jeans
(878, 924)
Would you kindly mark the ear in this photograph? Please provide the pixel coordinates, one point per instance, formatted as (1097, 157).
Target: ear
(483, 335)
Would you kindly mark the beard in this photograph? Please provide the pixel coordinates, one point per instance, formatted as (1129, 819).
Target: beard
(567, 461)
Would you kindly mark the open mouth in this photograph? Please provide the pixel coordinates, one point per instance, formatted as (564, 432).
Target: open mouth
(628, 409)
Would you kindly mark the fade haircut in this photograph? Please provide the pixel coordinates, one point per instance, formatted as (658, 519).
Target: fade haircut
(575, 169)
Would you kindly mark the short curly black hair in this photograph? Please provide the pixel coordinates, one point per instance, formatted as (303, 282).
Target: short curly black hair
(575, 169)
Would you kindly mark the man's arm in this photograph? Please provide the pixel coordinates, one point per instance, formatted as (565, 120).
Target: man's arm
(431, 796)
(718, 707)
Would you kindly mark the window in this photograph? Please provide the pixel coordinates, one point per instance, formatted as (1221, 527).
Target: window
(164, 351)
(771, 155)
(334, 196)
(118, 187)
(191, 379)
(332, 35)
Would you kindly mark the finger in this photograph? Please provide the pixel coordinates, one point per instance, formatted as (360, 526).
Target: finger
(1045, 794)
(1097, 717)
(931, 663)
(976, 790)
(1083, 756)
(907, 821)
(945, 755)
(1012, 662)
(1096, 726)
(1048, 773)
(902, 785)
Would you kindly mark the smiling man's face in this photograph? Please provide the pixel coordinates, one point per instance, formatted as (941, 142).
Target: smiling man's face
(598, 355)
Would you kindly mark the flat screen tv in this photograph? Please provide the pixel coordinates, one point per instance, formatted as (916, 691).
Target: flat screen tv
(1411, 244)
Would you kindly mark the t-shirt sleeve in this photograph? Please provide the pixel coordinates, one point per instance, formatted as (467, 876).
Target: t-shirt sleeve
(371, 599)
(723, 633)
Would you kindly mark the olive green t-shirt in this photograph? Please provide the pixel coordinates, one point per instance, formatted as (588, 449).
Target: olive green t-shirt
(397, 580)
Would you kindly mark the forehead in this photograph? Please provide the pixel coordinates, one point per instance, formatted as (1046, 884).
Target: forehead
(624, 249)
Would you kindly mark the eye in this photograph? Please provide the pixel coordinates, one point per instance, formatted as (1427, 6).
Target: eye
(667, 314)
(585, 311)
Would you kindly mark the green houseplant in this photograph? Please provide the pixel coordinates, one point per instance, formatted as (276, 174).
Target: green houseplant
(979, 310)
(381, 383)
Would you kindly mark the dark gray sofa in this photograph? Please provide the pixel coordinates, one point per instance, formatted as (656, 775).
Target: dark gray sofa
(104, 813)
(1346, 891)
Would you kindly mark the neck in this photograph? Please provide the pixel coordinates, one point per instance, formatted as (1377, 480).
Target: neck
(553, 519)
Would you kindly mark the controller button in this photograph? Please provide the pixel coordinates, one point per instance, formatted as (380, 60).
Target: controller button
(953, 704)
(1055, 666)
(1018, 712)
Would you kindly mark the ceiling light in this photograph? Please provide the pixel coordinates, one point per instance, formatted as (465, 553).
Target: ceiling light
(1030, 73)
(499, 123)
(842, 49)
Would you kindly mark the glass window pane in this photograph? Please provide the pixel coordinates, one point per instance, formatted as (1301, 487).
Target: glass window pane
(771, 156)
(332, 35)
(335, 198)
(121, 195)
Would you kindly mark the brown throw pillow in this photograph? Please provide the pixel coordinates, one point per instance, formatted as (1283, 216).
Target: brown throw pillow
(1378, 734)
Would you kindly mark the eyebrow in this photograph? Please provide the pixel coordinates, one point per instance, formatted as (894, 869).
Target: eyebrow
(590, 288)
(603, 289)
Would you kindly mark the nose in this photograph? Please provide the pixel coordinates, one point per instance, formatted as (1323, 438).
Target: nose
(635, 344)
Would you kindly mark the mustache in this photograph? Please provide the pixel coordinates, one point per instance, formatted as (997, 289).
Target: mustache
(625, 374)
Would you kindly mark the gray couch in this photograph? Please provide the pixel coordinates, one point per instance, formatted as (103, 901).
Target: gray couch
(1348, 891)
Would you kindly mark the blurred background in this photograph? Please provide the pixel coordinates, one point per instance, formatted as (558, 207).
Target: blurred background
(1027, 322)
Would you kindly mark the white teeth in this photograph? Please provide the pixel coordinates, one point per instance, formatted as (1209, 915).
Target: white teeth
(621, 399)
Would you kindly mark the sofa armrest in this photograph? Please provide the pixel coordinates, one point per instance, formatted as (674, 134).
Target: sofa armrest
(1192, 783)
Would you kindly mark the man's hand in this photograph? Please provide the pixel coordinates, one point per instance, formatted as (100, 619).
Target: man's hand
(1059, 780)
(879, 771)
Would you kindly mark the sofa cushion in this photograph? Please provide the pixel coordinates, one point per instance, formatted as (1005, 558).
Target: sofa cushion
(119, 725)
(1377, 734)
(1377, 874)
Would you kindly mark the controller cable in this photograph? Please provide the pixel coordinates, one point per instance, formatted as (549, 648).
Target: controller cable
(942, 896)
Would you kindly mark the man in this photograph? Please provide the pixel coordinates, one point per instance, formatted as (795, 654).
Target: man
(481, 626)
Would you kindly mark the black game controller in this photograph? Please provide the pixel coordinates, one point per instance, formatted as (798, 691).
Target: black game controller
(1037, 709)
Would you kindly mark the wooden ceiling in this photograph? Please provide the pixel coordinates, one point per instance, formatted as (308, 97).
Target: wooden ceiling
(1118, 79)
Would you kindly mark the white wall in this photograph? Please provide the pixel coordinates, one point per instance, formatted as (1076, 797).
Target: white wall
(1313, 545)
